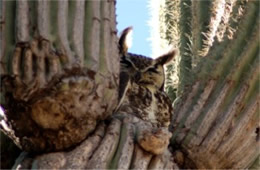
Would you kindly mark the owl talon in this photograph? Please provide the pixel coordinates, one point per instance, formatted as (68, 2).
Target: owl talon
(155, 141)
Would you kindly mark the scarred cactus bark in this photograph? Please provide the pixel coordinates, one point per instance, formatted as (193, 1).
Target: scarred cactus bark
(112, 145)
(57, 77)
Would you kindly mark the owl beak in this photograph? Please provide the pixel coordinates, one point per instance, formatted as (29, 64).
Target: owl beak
(137, 77)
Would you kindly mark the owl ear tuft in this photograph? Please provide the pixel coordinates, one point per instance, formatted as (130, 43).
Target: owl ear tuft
(125, 40)
(165, 58)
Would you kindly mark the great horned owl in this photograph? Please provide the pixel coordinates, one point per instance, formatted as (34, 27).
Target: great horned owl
(141, 85)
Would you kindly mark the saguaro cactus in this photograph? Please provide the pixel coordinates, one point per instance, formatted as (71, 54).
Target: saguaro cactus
(216, 117)
(58, 78)
(59, 75)
(59, 72)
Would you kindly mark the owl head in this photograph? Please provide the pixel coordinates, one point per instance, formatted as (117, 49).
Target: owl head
(142, 70)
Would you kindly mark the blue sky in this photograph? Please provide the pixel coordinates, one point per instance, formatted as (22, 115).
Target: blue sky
(135, 13)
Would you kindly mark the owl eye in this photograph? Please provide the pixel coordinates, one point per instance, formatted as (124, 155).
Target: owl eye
(152, 69)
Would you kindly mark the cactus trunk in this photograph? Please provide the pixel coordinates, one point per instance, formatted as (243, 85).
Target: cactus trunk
(59, 81)
(216, 117)
(59, 71)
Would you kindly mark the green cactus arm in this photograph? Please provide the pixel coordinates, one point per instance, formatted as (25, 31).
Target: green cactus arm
(221, 99)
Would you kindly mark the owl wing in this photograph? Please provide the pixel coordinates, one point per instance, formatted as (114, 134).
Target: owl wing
(123, 87)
